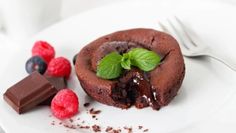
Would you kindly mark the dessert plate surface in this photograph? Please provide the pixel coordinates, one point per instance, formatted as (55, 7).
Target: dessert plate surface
(205, 103)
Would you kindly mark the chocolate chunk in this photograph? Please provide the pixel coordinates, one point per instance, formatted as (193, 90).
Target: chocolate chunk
(58, 82)
(29, 92)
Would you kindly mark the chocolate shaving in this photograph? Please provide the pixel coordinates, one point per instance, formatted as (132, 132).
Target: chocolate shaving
(71, 120)
(84, 127)
(92, 111)
(129, 129)
(116, 131)
(146, 130)
(108, 129)
(96, 128)
(140, 127)
(86, 104)
(70, 126)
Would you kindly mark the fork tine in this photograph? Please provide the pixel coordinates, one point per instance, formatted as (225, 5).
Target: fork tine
(185, 49)
(184, 30)
(178, 35)
(163, 27)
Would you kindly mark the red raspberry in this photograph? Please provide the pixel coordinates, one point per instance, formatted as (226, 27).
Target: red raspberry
(44, 50)
(59, 67)
(65, 104)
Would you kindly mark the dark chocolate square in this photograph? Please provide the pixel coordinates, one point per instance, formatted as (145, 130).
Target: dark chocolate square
(29, 92)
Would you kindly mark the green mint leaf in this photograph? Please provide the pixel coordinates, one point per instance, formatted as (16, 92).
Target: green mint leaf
(125, 61)
(144, 59)
(109, 67)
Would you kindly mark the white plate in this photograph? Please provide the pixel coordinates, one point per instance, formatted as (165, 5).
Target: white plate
(207, 92)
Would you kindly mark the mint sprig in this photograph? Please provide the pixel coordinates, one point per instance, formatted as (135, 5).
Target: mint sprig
(112, 65)
(144, 59)
(125, 61)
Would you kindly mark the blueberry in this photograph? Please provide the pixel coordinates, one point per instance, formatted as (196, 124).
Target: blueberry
(74, 59)
(35, 63)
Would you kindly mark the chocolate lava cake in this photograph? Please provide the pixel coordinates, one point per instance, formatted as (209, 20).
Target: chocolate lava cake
(155, 88)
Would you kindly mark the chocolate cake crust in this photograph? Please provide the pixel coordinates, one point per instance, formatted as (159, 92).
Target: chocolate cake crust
(161, 84)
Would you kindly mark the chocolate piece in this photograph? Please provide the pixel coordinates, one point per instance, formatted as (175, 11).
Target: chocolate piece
(29, 92)
(58, 82)
(108, 129)
(94, 112)
(96, 128)
(155, 88)
(86, 105)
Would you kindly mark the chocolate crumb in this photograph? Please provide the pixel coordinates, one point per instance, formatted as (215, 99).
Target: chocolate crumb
(96, 128)
(71, 120)
(78, 118)
(70, 126)
(140, 127)
(129, 129)
(92, 111)
(116, 130)
(83, 121)
(108, 129)
(86, 105)
(93, 116)
(84, 127)
(146, 130)
(60, 123)
(96, 119)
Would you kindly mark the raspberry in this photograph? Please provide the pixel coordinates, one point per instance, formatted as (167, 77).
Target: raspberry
(44, 50)
(65, 104)
(59, 67)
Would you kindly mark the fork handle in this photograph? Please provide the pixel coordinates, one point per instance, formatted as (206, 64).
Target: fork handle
(230, 63)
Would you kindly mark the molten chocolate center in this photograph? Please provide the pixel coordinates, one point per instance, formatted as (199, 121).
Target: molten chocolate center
(133, 88)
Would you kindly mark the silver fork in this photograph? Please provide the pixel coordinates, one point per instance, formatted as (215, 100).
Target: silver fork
(189, 47)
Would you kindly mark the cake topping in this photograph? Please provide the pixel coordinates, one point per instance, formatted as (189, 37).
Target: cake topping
(112, 65)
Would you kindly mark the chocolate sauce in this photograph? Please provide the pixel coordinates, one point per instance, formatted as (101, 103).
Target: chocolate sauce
(134, 89)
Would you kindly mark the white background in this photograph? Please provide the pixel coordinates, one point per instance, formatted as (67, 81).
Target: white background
(73, 7)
